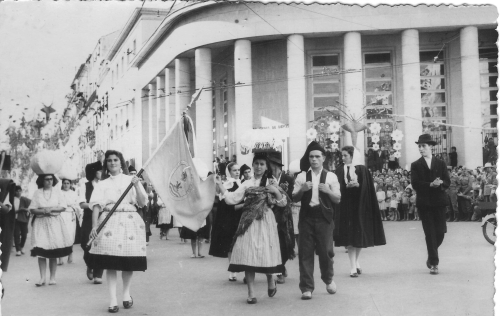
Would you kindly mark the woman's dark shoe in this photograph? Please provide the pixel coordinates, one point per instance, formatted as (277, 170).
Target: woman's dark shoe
(113, 309)
(40, 284)
(354, 275)
(272, 292)
(252, 300)
(90, 275)
(358, 270)
(128, 304)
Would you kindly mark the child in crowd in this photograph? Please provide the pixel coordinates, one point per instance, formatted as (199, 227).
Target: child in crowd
(413, 203)
(405, 201)
(380, 199)
(387, 208)
(399, 196)
(393, 208)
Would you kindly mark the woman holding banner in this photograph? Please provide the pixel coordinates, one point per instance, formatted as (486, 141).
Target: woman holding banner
(121, 245)
(256, 247)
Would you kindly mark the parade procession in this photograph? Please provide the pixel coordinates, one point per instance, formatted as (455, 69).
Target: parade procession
(248, 158)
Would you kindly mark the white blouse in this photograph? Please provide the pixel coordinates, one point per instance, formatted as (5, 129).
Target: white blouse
(233, 198)
(39, 200)
(71, 198)
(110, 190)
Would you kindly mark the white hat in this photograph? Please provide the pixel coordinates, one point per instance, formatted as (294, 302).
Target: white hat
(68, 171)
(488, 165)
(47, 162)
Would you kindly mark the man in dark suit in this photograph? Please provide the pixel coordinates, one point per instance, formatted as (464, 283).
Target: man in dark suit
(7, 219)
(430, 179)
(284, 221)
(379, 159)
(21, 207)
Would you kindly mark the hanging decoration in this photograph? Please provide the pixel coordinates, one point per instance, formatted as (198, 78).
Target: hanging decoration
(375, 131)
(397, 136)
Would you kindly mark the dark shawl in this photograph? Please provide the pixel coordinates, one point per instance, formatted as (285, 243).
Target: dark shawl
(7, 221)
(357, 217)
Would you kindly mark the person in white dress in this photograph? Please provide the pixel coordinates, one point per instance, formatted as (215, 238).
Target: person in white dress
(256, 247)
(71, 201)
(49, 237)
(121, 244)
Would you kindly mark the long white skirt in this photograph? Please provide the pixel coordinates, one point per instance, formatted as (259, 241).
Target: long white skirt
(258, 249)
(50, 237)
(69, 218)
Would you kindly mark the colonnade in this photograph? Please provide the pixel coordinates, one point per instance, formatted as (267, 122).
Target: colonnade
(165, 104)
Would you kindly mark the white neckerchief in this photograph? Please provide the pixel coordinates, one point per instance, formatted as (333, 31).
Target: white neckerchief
(230, 182)
(428, 161)
(352, 173)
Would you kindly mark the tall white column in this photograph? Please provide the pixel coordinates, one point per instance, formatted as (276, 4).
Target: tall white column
(170, 97)
(297, 112)
(411, 95)
(160, 109)
(204, 135)
(144, 108)
(151, 118)
(470, 149)
(353, 83)
(182, 86)
(243, 95)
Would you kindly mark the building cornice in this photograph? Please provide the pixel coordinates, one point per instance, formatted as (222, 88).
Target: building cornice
(157, 37)
(132, 21)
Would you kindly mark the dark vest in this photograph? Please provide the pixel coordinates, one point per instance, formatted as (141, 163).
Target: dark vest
(324, 199)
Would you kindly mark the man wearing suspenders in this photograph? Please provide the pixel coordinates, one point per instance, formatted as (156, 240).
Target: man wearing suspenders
(318, 190)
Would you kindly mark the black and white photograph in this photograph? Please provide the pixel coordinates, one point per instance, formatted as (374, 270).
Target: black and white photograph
(199, 157)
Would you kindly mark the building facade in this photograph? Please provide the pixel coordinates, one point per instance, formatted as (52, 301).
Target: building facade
(276, 70)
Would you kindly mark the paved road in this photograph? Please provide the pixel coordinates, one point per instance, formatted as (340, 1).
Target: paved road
(395, 281)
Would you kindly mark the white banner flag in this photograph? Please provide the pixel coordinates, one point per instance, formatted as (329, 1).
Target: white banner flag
(176, 180)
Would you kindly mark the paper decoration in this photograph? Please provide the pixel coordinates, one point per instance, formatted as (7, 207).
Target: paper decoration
(397, 136)
(311, 133)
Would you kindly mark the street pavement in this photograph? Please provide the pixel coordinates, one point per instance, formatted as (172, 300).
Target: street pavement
(395, 281)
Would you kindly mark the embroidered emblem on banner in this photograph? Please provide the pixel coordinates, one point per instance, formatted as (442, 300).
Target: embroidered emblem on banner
(181, 181)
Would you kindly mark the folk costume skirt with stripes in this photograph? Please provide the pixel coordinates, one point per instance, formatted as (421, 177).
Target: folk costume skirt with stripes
(258, 249)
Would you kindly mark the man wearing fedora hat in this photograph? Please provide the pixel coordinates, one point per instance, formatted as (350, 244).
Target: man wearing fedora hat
(430, 179)
(283, 219)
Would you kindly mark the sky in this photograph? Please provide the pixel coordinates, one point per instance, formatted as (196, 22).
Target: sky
(44, 43)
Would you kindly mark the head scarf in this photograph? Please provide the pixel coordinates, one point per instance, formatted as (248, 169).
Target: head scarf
(230, 180)
(304, 161)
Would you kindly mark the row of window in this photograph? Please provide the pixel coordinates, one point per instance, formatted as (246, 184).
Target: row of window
(378, 88)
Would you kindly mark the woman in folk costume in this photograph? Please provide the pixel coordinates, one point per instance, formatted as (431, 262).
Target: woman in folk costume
(49, 237)
(227, 219)
(71, 215)
(165, 219)
(357, 217)
(121, 245)
(256, 247)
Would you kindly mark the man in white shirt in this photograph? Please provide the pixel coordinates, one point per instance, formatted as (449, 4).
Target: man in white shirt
(317, 189)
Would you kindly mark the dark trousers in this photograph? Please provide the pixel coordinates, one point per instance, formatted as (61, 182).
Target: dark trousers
(85, 231)
(316, 234)
(434, 225)
(20, 233)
